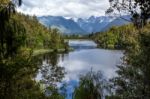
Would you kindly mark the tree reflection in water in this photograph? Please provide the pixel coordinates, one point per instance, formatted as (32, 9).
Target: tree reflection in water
(50, 73)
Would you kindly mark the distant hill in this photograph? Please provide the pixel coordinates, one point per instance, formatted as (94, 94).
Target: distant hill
(117, 22)
(66, 26)
(82, 26)
(94, 24)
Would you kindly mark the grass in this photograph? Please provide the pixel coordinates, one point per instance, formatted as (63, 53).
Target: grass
(43, 51)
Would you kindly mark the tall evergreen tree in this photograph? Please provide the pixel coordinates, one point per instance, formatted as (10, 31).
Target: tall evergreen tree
(7, 32)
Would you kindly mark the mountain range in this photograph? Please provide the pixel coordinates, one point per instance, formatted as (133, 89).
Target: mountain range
(82, 26)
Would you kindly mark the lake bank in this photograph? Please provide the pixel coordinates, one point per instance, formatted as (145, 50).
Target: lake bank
(44, 51)
(86, 56)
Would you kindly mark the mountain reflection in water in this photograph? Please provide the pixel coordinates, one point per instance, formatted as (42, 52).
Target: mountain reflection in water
(69, 66)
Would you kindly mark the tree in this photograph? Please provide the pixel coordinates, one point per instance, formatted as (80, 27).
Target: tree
(16, 65)
(7, 32)
(91, 86)
(16, 69)
(133, 77)
(138, 9)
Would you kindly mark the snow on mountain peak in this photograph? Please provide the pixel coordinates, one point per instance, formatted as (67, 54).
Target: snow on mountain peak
(79, 25)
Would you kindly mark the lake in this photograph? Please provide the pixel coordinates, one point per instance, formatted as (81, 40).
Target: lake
(69, 66)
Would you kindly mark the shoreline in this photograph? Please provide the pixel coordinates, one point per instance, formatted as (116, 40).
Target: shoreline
(43, 51)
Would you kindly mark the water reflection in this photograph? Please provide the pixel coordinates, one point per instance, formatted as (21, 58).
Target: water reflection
(82, 61)
(82, 44)
(55, 66)
(50, 72)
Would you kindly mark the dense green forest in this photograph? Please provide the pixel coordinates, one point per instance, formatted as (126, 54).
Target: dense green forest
(18, 33)
(117, 37)
(38, 36)
(132, 81)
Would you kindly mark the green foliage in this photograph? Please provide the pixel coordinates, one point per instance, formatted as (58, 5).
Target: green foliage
(12, 32)
(17, 67)
(138, 9)
(76, 36)
(38, 36)
(133, 80)
(133, 77)
(134, 74)
(54, 93)
(15, 79)
(116, 37)
(91, 86)
(12, 37)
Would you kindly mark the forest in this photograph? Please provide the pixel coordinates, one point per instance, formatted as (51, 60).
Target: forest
(38, 36)
(117, 37)
(21, 34)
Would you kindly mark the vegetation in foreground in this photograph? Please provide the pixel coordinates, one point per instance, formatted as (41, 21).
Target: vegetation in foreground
(133, 80)
(133, 77)
(91, 86)
(17, 68)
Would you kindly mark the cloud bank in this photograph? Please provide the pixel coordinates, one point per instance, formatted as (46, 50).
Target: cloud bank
(66, 8)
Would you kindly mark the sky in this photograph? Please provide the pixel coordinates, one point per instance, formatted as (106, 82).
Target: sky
(65, 8)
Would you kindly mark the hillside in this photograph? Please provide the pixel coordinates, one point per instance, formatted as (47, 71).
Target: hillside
(117, 22)
(66, 26)
(38, 36)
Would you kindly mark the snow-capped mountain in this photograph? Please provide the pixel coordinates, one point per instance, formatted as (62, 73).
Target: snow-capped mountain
(94, 24)
(64, 25)
(82, 26)
(118, 22)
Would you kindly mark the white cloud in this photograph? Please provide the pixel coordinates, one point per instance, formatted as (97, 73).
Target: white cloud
(66, 8)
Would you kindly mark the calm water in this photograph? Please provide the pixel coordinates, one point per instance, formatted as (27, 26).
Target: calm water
(71, 65)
